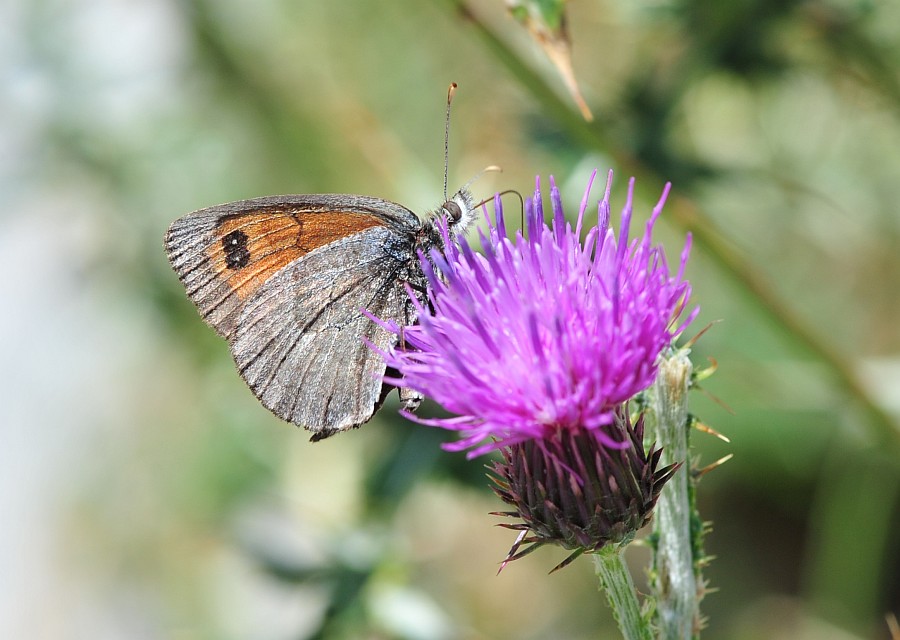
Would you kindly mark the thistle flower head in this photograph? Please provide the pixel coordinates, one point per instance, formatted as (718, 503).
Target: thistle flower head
(544, 332)
(574, 492)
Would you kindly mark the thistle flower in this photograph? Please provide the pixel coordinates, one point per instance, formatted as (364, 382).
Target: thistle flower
(542, 333)
(574, 492)
(537, 345)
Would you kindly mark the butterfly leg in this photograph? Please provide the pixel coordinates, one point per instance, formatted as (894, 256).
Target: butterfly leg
(410, 399)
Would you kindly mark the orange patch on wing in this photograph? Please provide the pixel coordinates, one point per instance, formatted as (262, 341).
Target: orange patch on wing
(251, 247)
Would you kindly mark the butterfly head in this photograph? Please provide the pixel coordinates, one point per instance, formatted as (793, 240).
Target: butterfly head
(458, 212)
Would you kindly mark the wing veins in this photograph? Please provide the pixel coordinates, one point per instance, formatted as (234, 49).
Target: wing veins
(386, 282)
(303, 329)
(337, 275)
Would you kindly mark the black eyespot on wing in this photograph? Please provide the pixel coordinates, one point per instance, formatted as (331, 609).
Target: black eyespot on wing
(234, 245)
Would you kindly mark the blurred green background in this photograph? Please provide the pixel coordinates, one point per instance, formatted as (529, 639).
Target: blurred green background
(145, 493)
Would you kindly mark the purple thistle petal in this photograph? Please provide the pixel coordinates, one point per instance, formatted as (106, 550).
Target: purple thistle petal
(559, 218)
(500, 225)
(625, 224)
(534, 211)
(584, 204)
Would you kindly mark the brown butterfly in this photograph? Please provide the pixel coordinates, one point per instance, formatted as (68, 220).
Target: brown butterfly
(285, 279)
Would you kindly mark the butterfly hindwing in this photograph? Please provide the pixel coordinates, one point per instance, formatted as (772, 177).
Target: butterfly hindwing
(299, 340)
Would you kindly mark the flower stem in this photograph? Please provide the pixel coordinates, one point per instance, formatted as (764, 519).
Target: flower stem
(616, 581)
(673, 578)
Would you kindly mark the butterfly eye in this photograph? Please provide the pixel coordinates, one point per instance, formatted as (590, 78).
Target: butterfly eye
(452, 210)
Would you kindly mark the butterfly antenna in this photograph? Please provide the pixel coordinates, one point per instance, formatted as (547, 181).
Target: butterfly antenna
(501, 194)
(478, 175)
(450, 93)
(506, 193)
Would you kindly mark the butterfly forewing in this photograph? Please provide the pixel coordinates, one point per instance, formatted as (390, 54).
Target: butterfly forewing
(224, 254)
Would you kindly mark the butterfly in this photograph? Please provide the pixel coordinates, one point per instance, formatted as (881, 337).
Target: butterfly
(285, 280)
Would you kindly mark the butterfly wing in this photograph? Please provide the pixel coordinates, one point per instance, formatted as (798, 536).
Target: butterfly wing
(284, 279)
(303, 354)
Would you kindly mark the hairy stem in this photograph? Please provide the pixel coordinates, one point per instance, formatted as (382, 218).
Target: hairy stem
(615, 580)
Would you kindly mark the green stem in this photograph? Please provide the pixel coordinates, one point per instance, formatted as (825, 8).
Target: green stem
(674, 581)
(621, 594)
